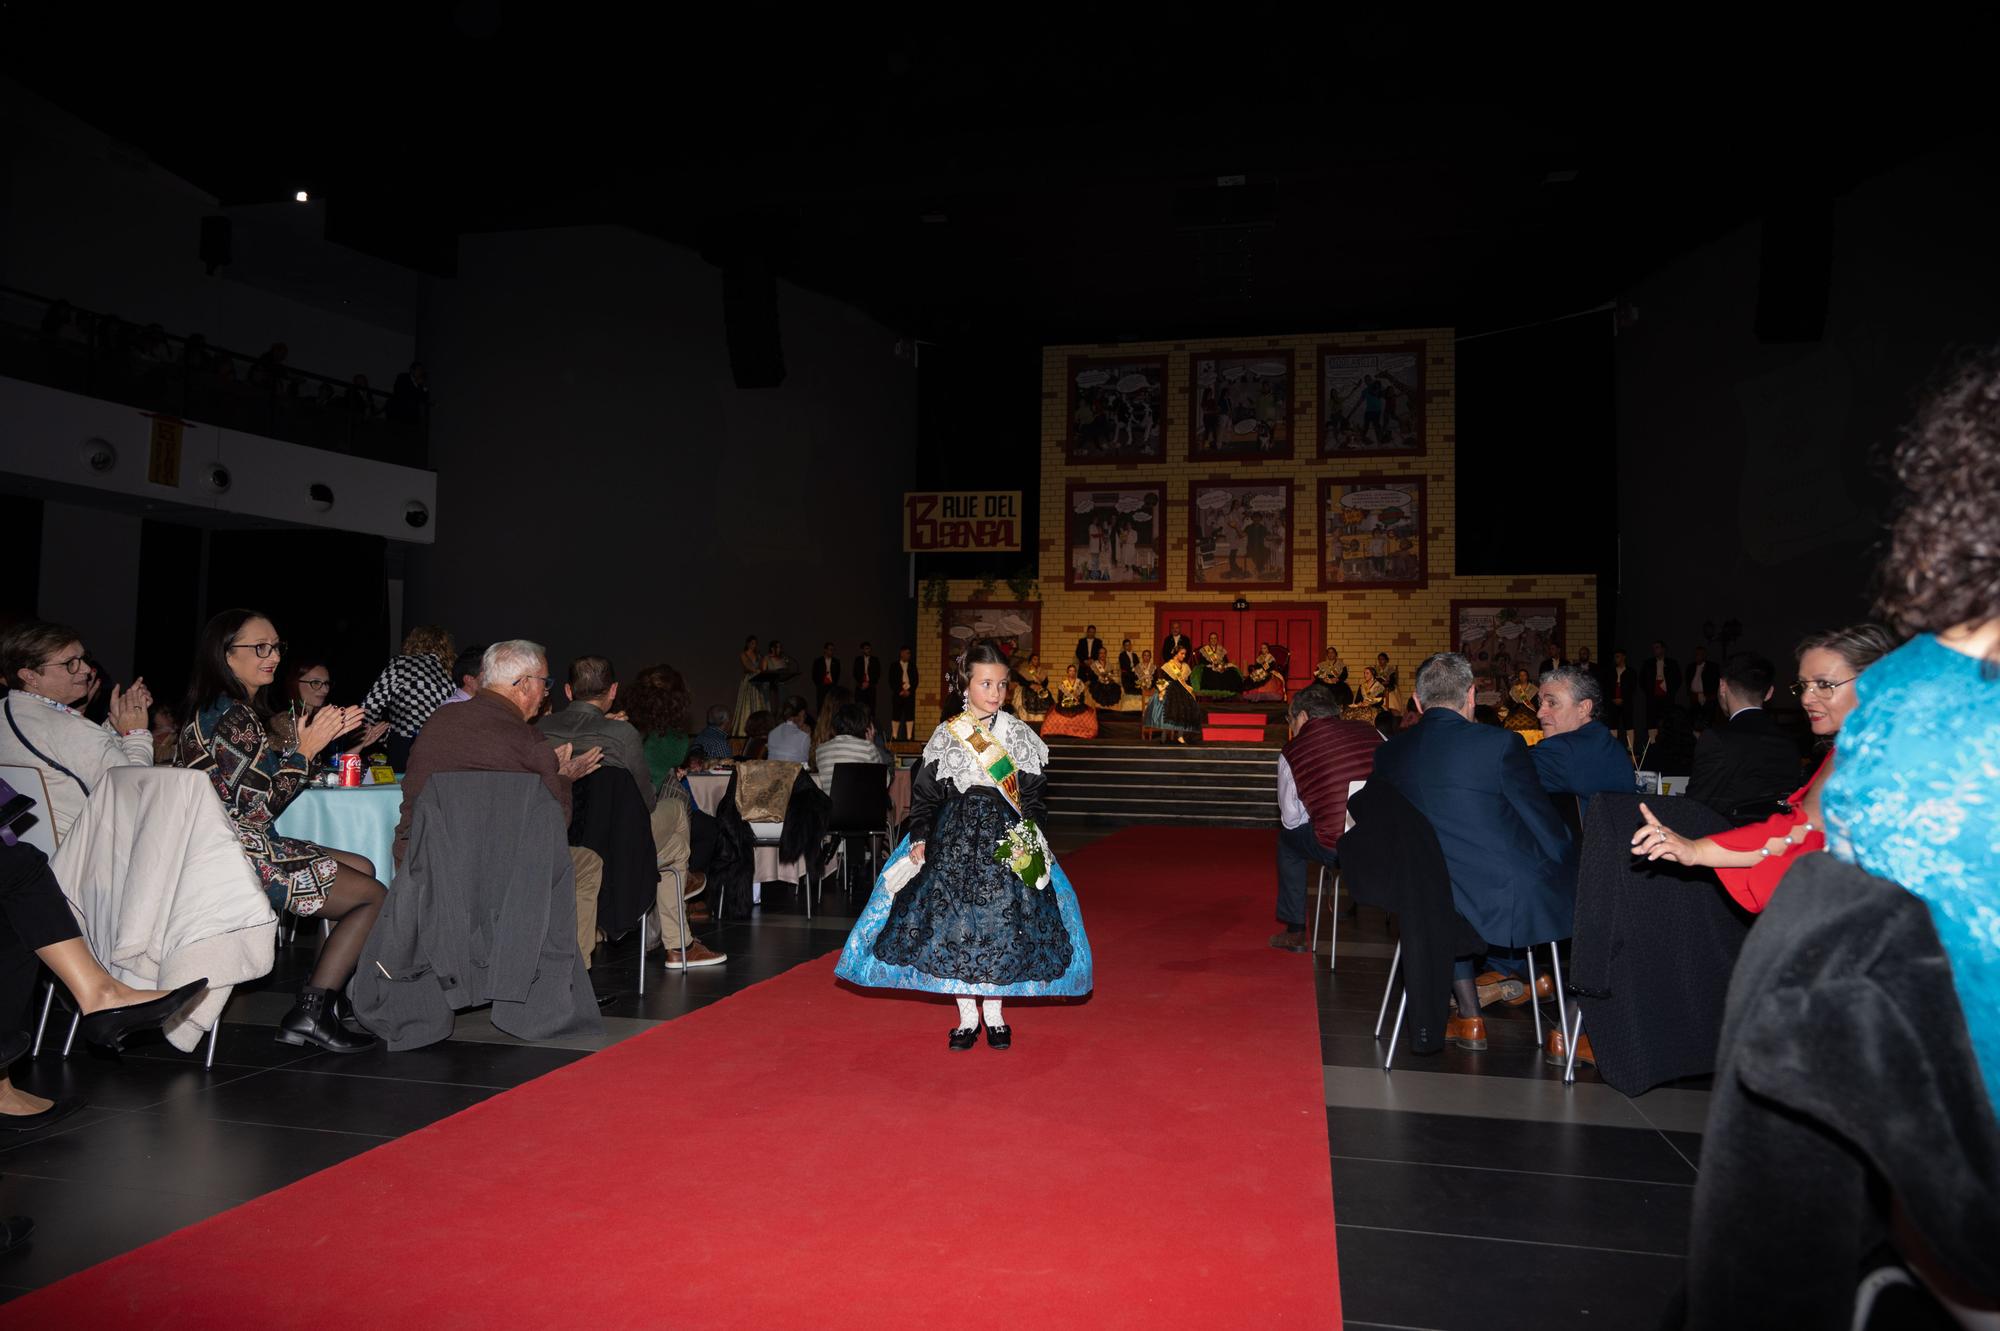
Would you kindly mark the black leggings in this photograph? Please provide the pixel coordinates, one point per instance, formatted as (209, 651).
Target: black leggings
(33, 914)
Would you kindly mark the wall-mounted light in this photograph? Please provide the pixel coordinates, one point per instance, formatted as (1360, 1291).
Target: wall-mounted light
(217, 478)
(302, 197)
(99, 456)
(320, 495)
(416, 514)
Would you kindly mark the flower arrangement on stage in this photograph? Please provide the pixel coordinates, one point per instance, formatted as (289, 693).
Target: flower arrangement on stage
(1026, 851)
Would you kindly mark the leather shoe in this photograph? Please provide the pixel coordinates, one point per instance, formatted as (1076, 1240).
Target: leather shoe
(1000, 1037)
(59, 1110)
(1545, 991)
(1466, 1032)
(109, 1026)
(1497, 988)
(1556, 1050)
(964, 1037)
(1292, 940)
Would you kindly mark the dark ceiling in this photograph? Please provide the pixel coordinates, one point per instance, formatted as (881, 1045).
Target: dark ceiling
(1051, 173)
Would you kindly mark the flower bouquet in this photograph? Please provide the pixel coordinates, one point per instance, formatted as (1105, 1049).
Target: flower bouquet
(1026, 851)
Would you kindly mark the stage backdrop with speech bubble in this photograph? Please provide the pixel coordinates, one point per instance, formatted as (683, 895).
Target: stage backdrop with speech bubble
(1117, 409)
(1240, 405)
(1239, 535)
(1372, 533)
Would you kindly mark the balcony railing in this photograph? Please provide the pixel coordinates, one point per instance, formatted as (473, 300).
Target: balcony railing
(55, 343)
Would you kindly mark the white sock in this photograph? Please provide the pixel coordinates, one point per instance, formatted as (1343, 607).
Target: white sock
(993, 1014)
(968, 1015)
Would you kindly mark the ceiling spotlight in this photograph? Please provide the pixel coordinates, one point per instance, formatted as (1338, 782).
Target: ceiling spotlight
(302, 197)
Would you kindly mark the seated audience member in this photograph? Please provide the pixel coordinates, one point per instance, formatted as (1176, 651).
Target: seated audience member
(411, 687)
(465, 673)
(791, 738)
(1513, 870)
(657, 707)
(47, 675)
(166, 724)
(757, 734)
(309, 687)
(1578, 755)
(38, 928)
(713, 738)
(1324, 754)
(836, 697)
(592, 691)
(1751, 860)
(1916, 797)
(852, 741)
(228, 736)
(1743, 759)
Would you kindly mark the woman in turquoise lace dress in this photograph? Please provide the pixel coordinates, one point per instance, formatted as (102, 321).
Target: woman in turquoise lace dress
(1915, 793)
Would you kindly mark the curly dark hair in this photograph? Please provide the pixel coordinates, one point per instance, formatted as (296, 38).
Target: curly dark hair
(1942, 567)
(658, 701)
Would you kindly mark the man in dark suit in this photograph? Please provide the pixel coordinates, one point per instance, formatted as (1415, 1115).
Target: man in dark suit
(1744, 760)
(826, 674)
(1551, 661)
(1175, 641)
(1087, 648)
(1621, 686)
(1128, 667)
(903, 694)
(1513, 866)
(1659, 681)
(867, 675)
(1578, 757)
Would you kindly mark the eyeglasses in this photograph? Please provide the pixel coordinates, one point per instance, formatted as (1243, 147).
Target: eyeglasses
(546, 682)
(71, 664)
(1819, 687)
(264, 650)
(317, 685)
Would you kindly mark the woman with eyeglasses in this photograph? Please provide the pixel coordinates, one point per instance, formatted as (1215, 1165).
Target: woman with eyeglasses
(309, 687)
(48, 675)
(228, 735)
(1750, 860)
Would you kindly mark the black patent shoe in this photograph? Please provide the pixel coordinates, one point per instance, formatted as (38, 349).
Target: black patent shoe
(108, 1027)
(1000, 1037)
(311, 1021)
(965, 1038)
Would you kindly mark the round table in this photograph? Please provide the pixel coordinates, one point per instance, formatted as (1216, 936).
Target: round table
(358, 819)
(708, 788)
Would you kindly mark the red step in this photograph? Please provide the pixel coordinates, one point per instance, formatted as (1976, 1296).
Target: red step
(1232, 735)
(1237, 719)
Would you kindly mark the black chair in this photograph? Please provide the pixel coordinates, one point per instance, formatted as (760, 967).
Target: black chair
(860, 796)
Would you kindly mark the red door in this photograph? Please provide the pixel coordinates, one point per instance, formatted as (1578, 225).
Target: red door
(1299, 627)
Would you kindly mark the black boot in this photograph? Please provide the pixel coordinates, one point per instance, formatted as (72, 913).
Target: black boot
(311, 1021)
(343, 1012)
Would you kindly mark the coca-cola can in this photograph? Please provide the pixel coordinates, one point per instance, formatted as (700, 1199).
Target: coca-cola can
(350, 769)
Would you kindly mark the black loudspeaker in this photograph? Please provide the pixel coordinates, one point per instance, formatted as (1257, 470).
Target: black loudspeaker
(1795, 271)
(216, 233)
(750, 321)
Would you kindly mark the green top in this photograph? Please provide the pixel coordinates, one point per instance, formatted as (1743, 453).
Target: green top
(664, 753)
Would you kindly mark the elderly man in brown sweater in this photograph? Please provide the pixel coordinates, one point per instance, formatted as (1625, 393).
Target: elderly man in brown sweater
(489, 732)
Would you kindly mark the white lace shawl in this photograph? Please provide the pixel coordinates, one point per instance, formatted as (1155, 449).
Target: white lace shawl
(953, 762)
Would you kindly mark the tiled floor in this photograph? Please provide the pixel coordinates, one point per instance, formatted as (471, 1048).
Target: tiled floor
(1471, 1190)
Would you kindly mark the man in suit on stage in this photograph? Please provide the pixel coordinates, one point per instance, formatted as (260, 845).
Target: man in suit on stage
(1175, 641)
(1744, 760)
(1512, 863)
(1087, 648)
(1659, 681)
(1550, 662)
(867, 676)
(826, 674)
(903, 695)
(1128, 667)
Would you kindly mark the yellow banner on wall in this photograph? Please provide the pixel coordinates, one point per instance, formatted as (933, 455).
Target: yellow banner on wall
(961, 520)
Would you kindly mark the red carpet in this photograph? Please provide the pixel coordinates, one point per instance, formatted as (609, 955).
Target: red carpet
(1155, 1156)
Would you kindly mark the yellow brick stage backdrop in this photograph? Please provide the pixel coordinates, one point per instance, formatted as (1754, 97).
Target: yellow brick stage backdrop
(1151, 430)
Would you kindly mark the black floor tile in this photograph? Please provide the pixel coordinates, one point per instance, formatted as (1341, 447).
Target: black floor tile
(80, 1224)
(287, 1098)
(1575, 1149)
(1461, 1284)
(1539, 1208)
(241, 1044)
(455, 1062)
(1688, 1143)
(185, 1153)
(122, 1083)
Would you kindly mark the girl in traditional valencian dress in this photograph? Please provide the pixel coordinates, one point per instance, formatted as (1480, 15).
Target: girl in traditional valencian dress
(973, 904)
(1173, 712)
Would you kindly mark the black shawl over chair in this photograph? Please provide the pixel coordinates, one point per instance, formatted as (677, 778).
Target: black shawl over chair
(609, 817)
(1654, 946)
(804, 837)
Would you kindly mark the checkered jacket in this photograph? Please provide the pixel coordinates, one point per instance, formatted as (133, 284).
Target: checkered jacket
(409, 689)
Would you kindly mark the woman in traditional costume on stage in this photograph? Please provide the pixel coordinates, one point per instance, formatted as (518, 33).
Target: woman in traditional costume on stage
(1523, 691)
(1103, 685)
(1174, 710)
(775, 660)
(1217, 675)
(1073, 716)
(749, 698)
(1032, 698)
(954, 914)
(1266, 682)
